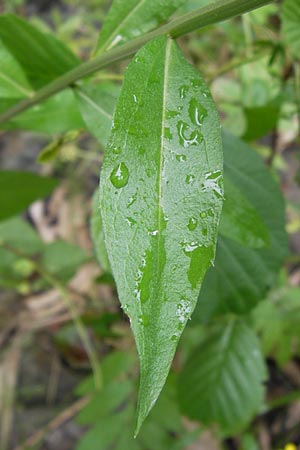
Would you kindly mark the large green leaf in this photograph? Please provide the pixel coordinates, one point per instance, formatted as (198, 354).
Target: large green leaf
(240, 221)
(161, 194)
(20, 189)
(128, 19)
(57, 114)
(223, 379)
(96, 104)
(42, 56)
(242, 276)
(13, 82)
(291, 24)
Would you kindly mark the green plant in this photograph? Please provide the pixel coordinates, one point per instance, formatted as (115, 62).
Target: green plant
(167, 202)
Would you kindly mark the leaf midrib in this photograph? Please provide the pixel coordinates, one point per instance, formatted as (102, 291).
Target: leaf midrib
(93, 104)
(16, 85)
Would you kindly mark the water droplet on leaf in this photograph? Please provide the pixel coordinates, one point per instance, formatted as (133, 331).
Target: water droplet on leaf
(119, 175)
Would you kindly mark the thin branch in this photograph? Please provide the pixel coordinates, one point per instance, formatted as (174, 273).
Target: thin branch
(216, 12)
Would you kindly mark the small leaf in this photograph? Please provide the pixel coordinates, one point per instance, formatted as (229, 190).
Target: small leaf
(223, 379)
(20, 189)
(131, 18)
(96, 104)
(42, 56)
(291, 24)
(242, 276)
(161, 194)
(240, 221)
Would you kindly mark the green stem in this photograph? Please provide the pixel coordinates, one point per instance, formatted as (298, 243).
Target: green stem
(208, 15)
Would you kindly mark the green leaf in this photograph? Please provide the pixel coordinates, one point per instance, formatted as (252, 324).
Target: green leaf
(20, 189)
(242, 276)
(96, 104)
(161, 194)
(129, 19)
(42, 56)
(261, 119)
(240, 221)
(291, 24)
(98, 235)
(58, 114)
(62, 259)
(223, 379)
(13, 81)
(20, 236)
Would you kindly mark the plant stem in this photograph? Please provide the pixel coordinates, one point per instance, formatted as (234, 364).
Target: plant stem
(213, 13)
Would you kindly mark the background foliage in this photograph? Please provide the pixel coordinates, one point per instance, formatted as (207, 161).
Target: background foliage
(68, 362)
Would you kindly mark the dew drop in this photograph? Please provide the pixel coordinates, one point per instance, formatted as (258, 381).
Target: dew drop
(143, 320)
(197, 112)
(203, 214)
(131, 222)
(189, 179)
(181, 158)
(119, 175)
(183, 310)
(153, 233)
(170, 114)
(195, 136)
(116, 150)
(213, 182)
(183, 91)
(195, 82)
(132, 200)
(167, 133)
(193, 222)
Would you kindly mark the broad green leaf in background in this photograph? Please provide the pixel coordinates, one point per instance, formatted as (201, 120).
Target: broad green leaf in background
(110, 413)
(98, 235)
(20, 236)
(58, 114)
(42, 56)
(242, 276)
(13, 81)
(161, 194)
(20, 189)
(222, 382)
(60, 258)
(96, 104)
(277, 320)
(291, 24)
(128, 19)
(261, 119)
(240, 221)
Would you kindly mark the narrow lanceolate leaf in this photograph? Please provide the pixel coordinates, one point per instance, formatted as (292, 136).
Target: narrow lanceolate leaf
(161, 194)
(222, 382)
(128, 19)
(41, 55)
(291, 24)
